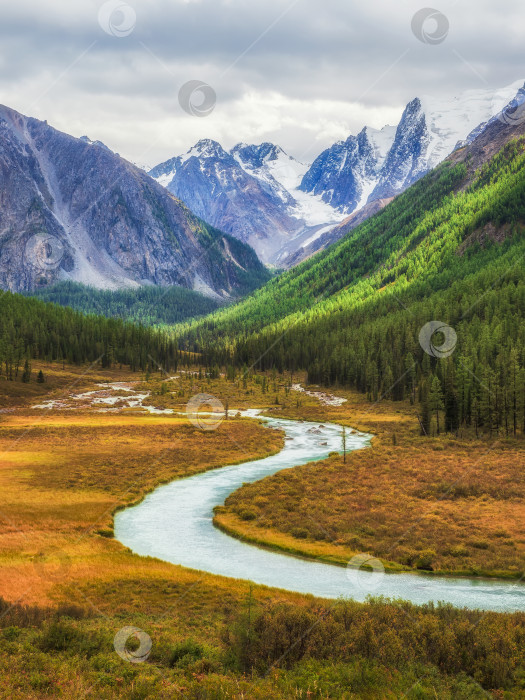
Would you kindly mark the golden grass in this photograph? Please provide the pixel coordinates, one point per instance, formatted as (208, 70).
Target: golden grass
(63, 474)
(453, 503)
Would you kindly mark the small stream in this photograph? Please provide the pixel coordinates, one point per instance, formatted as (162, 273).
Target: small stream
(174, 524)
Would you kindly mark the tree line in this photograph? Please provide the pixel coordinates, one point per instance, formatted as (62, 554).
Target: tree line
(31, 329)
(449, 249)
(148, 305)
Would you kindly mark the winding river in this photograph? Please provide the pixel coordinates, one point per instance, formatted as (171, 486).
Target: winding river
(174, 524)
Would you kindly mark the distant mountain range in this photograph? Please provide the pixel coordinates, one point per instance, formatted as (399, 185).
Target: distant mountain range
(452, 244)
(71, 209)
(253, 191)
(74, 210)
(286, 210)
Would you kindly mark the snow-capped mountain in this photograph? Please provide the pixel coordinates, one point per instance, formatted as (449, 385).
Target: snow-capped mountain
(284, 174)
(280, 206)
(251, 192)
(345, 173)
(483, 143)
(375, 165)
(512, 114)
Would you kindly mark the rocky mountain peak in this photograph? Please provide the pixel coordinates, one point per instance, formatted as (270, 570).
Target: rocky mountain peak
(257, 156)
(73, 210)
(208, 148)
(87, 140)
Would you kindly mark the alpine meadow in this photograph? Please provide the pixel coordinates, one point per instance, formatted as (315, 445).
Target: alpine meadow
(262, 350)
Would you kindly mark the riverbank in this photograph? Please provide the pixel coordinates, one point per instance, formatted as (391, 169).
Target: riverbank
(334, 554)
(444, 505)
(251, 533)
(62, 473)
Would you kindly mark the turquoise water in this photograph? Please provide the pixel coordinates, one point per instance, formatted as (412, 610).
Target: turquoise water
(174, 523)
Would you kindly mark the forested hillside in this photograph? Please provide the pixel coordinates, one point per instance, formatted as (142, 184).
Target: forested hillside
(149, 305)
(31, 329)
(449, 249)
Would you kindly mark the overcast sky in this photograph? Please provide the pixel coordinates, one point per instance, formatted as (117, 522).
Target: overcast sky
(301, 73)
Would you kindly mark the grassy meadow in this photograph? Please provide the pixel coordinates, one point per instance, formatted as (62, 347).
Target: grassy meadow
(67, 587)
(448, 504)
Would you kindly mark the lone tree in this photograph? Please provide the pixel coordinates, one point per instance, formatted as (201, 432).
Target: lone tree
(436, 399)
(426, 417)
(343, 439)
(26, 376)
(40, 377)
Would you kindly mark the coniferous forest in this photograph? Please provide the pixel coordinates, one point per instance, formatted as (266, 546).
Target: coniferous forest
(450, 249)
(149, 306)
(32, 329)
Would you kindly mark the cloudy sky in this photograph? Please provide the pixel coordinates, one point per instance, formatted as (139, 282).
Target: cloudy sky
(301, 73)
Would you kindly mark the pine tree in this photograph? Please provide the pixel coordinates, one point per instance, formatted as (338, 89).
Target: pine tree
(451, 400)
(436, 399)
(425, 419)
(26, 375)
(514, 372)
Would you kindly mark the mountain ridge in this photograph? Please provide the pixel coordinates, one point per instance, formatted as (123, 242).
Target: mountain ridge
(366, 252)
(246, 192)
(294, 204)
(110, 224)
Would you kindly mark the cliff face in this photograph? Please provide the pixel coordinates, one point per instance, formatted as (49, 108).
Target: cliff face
(73, 209)
(234, 191)
(286, 209)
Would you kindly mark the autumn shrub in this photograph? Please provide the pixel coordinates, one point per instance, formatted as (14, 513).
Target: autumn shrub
(458, 551)
(406, 555)
(248, 515)
(60, 635)
(484, 645)
(500, 534)
(75, 612)
(300, 533)
(186, 652)
(424, 559)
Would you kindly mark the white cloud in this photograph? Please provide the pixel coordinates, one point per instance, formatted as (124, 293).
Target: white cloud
(321, 72)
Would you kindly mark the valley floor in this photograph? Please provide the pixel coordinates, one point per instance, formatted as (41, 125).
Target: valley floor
(68, 587)
(447, 504)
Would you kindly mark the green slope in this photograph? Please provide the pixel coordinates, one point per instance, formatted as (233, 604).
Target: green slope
(450, 249)
(343, 264)
(147, 305)
(30, 328)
